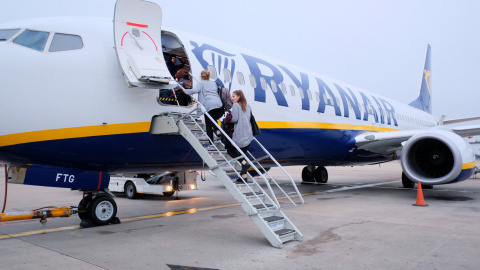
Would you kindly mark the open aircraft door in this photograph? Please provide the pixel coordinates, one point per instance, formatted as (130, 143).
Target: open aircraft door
(137, 33)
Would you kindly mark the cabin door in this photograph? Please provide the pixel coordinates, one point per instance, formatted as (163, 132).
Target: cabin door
(137, 34)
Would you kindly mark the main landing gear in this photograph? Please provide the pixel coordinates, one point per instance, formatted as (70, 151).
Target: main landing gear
(312, 175)
(97, 208)
(407, 183)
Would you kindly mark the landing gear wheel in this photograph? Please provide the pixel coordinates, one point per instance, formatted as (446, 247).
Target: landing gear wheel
(320, 175)
(406, 182)
(82, 207)
(102, 210)
(307, 175)
(130, 190)
(427, 186)
(168, 193)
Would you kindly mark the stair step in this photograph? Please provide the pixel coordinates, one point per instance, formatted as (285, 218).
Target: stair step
(273, 219)
(216, 151)
(249, 194)
(283, 232)
(226, 167)
(261, 206)
(275, 223)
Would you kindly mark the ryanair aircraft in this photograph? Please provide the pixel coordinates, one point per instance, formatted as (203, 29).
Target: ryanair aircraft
(79, 94)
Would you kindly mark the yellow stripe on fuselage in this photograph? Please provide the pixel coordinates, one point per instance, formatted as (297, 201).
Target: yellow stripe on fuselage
(76, 132)
(468, 165)
(317, 125)
(114, 129)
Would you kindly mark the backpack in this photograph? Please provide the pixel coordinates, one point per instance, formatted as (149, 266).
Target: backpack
(225, 97)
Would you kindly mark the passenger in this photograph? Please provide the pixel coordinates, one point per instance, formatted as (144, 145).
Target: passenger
(180, 76)
(172, 65)
(183, 99)
(242, 131)
(210, 99)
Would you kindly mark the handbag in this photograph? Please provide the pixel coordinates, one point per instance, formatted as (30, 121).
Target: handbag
(255, 129)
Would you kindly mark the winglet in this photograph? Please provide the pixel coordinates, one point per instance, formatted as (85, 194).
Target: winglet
(424, 99)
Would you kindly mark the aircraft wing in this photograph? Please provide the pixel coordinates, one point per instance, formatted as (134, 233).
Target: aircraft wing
(383, 142)
(390, 141)
(465, 131)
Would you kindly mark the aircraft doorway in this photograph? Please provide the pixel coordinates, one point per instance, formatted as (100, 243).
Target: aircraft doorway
(178, 65)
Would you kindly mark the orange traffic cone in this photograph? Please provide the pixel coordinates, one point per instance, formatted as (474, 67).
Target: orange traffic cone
(420, 200)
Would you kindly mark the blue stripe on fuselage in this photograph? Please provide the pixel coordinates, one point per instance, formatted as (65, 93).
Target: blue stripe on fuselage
(112, 152)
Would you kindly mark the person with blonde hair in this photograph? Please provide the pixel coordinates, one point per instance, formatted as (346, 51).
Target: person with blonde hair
(242, 130)
(208, 96)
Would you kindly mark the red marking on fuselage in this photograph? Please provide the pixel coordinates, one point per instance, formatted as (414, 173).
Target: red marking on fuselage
(99, 180)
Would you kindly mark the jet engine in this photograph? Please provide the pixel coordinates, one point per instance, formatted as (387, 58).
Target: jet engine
(437, 157)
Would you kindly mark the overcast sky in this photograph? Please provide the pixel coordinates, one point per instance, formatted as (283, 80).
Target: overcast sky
(377, 45)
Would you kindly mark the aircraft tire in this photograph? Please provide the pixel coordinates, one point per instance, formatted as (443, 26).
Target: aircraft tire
(406, 182)
(321, 175)
(168, 193)
(130, 190)
(427, 186)
(102, 210)
(83, 206)
(307, 175)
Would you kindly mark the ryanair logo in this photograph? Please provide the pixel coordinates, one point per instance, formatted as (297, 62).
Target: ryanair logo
(222, 61)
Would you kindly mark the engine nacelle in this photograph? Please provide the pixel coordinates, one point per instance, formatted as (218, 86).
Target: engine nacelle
(437, 157)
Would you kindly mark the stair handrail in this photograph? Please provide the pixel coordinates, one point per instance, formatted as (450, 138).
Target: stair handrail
(284, 171)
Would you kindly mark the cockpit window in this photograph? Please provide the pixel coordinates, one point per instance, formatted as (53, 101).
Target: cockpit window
(5, 34)
(32, 39)
(65, 42)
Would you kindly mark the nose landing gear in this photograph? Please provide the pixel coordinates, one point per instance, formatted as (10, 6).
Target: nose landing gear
(97, 209)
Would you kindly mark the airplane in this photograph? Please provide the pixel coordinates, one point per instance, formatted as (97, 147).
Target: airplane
(82, 92)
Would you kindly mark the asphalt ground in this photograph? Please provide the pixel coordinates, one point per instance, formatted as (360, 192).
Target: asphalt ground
(362, 219)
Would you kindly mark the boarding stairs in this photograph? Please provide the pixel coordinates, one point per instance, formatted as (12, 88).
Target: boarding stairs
(264, 207)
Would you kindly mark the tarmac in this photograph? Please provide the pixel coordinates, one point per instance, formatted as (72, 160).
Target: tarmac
(362, 219)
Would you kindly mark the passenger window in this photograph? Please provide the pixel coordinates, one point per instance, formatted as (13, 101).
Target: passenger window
(292, 90)
(309, 93)
(65, 42)
(274, 86)
(226, 75)
(32, 39)
(253, 82)
(240, 78)
(284, 89)
(318, 96)
(212, 70)
(300, 90)
(263, 82)
(5, 34)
